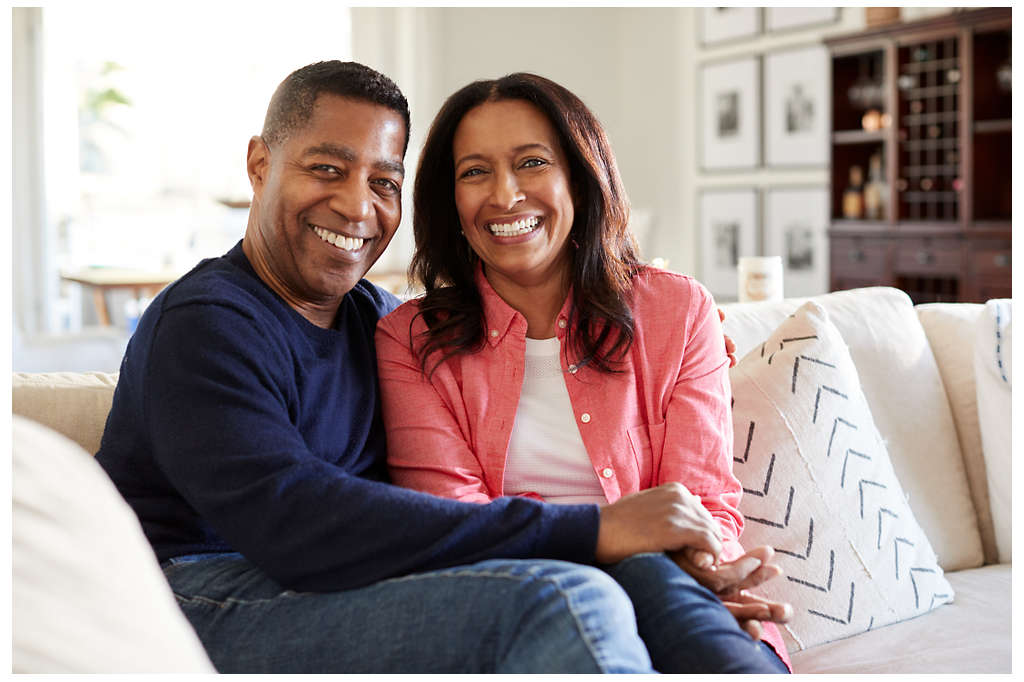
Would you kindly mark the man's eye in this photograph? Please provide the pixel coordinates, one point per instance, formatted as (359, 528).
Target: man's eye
(326, 169)
(388, 186)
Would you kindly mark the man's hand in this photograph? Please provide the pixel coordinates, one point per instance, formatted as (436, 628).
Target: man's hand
(731, 580)
(730, 345)
(668, 517)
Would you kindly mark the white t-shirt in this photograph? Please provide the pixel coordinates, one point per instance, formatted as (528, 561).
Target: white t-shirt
(545, 453)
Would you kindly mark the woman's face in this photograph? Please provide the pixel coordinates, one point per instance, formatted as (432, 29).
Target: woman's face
(512, 192)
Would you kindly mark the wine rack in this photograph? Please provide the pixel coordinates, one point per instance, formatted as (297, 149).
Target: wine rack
(921, 157)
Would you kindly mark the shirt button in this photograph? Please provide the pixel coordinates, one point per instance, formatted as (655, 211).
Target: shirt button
(585, 417)
(573, 369)
(607, 472)
(494, 333)
(561, 324)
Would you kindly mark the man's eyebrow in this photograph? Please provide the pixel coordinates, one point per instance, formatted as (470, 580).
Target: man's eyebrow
(328, 149)
(518, 150)
(347, 154)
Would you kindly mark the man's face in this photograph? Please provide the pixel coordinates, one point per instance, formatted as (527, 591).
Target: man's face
(327, 201)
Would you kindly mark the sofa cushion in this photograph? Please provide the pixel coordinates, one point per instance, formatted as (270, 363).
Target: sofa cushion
(819, 488)
(900, 378)
(88, 594)
(971, 635)
(73, 404)
(993, 369)
(950, 328)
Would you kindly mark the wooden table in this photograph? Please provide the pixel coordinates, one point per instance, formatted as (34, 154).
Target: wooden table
(103, 279)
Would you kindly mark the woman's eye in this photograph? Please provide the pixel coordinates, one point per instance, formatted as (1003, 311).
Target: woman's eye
(472, 172)
(533, 163)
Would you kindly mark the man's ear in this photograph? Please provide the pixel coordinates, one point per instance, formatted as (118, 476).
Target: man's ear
(257, 163)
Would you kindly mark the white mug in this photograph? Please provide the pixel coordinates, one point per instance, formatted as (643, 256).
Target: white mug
(760, 278)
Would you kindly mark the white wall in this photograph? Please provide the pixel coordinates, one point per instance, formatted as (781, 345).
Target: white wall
(635, 68)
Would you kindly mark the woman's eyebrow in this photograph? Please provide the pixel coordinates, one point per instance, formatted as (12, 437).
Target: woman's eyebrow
(518, 150)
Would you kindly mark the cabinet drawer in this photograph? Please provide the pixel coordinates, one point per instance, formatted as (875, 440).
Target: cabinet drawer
(860, 257)
(929, 256)
(991, 259)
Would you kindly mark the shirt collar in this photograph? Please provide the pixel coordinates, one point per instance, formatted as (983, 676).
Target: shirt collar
(500, 318)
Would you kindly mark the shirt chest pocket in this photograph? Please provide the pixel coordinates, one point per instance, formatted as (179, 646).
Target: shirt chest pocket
(647, 442)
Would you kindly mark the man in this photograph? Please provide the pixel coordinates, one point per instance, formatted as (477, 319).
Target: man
(245, 433)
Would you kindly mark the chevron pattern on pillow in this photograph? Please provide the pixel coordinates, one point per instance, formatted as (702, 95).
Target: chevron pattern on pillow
(820, 489)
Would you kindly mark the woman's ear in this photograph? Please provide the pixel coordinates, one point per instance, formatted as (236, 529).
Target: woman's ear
(257, 163)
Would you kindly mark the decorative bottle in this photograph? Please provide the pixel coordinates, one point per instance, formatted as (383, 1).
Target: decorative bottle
(853, 198)
(875, 189)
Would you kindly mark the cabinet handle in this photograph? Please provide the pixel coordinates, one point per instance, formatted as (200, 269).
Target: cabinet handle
(925, 258)
(1002, 260)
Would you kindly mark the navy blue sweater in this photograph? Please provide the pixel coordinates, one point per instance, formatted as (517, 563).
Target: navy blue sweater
(237, 425)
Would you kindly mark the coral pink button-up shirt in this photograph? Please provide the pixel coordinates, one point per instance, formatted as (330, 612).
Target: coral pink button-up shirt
(664, 417)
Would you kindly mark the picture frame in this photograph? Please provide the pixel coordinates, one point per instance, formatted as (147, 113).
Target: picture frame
(796, 228)
(797, 107)
(728, 228)
(717, 25)
(791, 18)
(729, 127)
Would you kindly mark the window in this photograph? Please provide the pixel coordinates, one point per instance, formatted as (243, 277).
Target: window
(146, 114)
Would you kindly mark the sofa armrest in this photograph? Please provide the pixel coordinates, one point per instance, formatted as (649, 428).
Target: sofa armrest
(72, 404)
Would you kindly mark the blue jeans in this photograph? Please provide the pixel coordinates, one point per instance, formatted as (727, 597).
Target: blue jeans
(684, 625)
(500, 616)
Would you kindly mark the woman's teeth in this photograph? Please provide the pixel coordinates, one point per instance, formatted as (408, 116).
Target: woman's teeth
(518, 227)
(342, 242)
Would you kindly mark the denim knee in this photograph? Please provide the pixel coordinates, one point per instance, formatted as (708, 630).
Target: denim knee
(579, 611)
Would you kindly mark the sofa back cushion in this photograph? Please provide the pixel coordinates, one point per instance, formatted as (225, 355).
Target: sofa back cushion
(71, 403)
(951, 330)
(994, 371)
(901, 381)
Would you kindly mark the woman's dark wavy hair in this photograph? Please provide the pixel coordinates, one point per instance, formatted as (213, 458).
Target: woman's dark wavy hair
(603, 265)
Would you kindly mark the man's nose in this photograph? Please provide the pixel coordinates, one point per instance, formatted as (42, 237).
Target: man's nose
(507, 192)
(353, 200)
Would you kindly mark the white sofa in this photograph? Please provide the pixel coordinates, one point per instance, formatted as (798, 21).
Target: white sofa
(917, 368)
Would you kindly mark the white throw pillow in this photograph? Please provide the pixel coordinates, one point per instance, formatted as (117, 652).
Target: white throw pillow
(820, 489)
(994, 381)
(901, 381)
(89, 596)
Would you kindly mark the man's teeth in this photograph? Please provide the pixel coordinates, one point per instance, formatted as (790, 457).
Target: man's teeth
(340, 241)
(518, 227)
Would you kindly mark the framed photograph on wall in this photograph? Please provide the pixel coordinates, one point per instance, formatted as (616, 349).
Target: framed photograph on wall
(796, 107)
(790, 18)
(722, 24)
(795, 227)
(728, 231)
(729, 130)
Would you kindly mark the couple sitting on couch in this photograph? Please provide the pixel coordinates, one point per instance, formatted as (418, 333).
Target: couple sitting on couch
(546, 364)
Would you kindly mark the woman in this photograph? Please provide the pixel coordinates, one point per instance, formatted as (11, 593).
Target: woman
(546, 360)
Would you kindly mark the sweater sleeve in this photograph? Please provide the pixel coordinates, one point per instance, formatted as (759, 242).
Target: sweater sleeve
(698, 425)
(216, 406)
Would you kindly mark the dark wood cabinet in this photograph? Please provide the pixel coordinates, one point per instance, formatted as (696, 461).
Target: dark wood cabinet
(921, 113)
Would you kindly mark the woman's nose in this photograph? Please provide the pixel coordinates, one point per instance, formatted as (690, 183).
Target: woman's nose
(507, 192)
